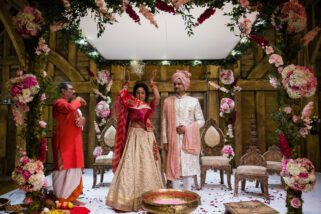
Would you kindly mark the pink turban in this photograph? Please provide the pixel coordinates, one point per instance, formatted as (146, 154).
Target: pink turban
(184, 76)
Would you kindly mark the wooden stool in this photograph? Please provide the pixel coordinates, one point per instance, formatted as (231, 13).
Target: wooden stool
(245, 207)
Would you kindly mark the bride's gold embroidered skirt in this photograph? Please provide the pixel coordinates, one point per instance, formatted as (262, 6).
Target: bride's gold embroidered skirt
(137, 172)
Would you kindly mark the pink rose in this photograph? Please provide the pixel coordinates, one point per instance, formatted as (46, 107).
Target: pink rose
(42, 124)
(27, 200)
(295, 119)
(296, 202)
(244, 3)
(269, 50)
(307, 110)
(43, 97)
(287, 109)
(276, 59)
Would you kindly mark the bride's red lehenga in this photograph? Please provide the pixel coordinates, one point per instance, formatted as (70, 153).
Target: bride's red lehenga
(136, 162)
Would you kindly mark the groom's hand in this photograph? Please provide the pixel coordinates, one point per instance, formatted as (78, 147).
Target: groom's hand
(180, 129)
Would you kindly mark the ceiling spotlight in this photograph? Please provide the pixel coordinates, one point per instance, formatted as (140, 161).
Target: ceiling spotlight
(197, 62)
(165, 62)
(94, 53)
(234, 53)
(244, 40)
(81, 41)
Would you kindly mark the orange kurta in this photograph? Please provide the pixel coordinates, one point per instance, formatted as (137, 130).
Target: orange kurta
(67, 137)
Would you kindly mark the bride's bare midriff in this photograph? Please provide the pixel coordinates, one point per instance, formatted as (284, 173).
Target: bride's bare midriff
(137, 125)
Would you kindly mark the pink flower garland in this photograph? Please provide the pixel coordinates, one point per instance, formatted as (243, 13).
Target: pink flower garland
(148, 15)
(308, 37)
(178, 3)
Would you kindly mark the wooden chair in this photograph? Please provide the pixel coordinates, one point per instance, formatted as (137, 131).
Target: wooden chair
(212, 140)
(252, 167)
(106, 141)
(273, 158)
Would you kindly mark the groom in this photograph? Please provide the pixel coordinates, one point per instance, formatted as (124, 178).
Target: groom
(182, 120)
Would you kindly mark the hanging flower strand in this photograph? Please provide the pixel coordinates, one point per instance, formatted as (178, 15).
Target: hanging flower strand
(130, 11)
(101, 4)
(164, 7)
(148, 15)
(178, 3)
(205, 15)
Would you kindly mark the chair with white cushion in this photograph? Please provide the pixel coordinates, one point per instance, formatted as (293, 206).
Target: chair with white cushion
(252, 167)
(273, 158)
(212, 140)
(103, 162)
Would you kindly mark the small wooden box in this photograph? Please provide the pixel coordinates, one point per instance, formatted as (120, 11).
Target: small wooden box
(246, 207)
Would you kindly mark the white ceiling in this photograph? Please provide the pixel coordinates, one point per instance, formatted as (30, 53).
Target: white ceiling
(127, 40)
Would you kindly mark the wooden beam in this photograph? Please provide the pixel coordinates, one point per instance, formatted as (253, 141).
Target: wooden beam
(213, 103)
(72, 54)
(260, 120)
(255, 85)
(238, 129)
(260, 69)
(16, 40)
(9, 60)
(91, 129)
(315, 51)
(60, 62)
(18, 4)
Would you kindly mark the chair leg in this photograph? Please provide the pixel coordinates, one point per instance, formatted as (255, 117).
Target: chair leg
(265, 185)
(257, 184)
(262, 186)
(95, 177)
(243, 183)
(229, 172)
(221, 176)
(102, 175)
(203, 177)
(196, 183)
(236, 185)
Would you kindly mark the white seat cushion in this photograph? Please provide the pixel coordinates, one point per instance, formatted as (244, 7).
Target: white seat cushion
(215, 160)
(106, 159)
(276, 165)
(251, 170)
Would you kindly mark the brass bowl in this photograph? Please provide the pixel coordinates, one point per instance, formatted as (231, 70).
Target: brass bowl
(4, 202)
(170, 201)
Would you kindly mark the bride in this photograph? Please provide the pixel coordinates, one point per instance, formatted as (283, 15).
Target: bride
(136, 161)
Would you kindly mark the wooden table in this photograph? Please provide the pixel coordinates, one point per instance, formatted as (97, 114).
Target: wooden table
(247, 207)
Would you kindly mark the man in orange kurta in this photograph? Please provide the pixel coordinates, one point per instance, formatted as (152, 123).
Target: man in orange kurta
(67, 145)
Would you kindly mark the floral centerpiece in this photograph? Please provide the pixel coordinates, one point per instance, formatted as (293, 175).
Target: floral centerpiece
(298, 81)
(23, 89)
(227, 106)
(29, 176)
(28, 22)
(299, 175)
(292, 128)
(290, 16)
(228, 152)
(102, 83)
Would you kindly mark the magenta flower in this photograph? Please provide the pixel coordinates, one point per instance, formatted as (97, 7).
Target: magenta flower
(26, 174)
(29, 82)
